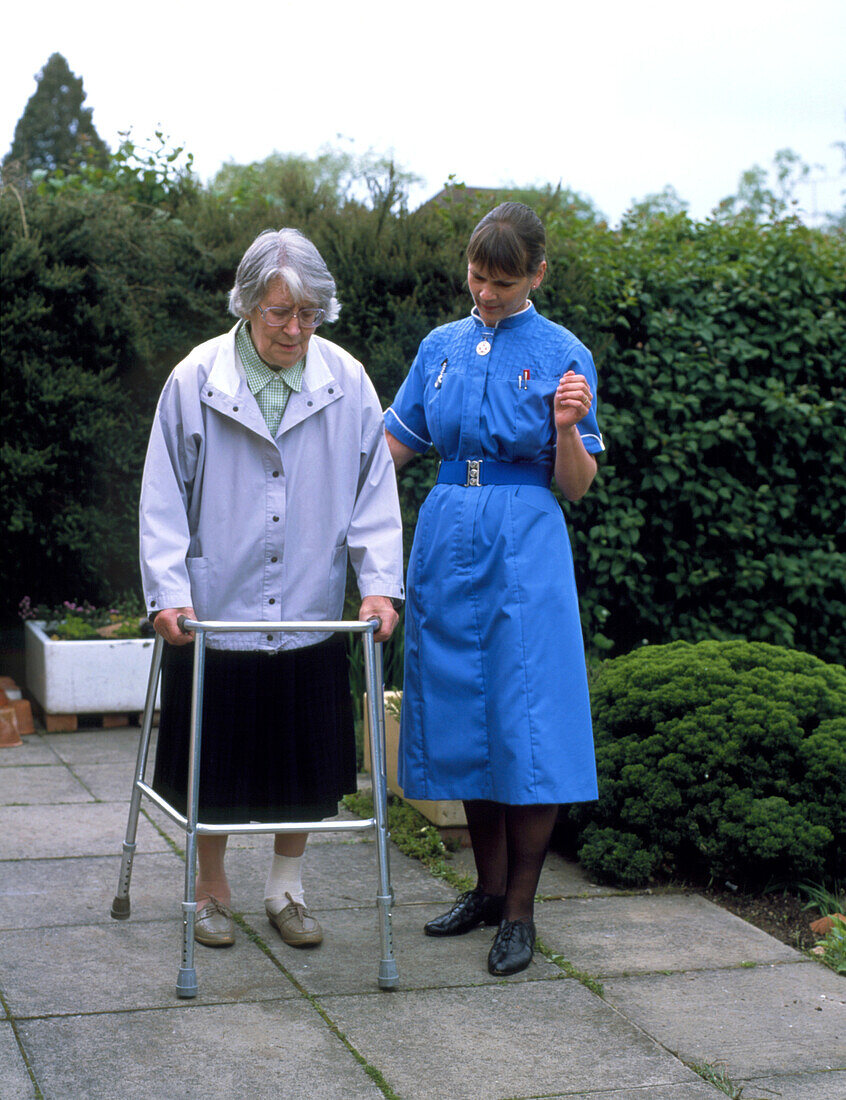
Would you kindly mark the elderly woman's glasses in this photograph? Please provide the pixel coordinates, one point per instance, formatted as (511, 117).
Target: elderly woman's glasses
(276, 317)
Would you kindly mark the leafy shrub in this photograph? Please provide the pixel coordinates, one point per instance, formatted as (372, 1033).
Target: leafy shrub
(720, 759)
(99, 300)
(719, 347)
(716, 507)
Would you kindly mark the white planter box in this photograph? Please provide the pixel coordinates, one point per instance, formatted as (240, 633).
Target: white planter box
(105, 677)
(443, 814)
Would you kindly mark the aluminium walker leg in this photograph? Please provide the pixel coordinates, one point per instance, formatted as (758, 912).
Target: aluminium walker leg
(388, 975)
(121, 905)
(186, 981)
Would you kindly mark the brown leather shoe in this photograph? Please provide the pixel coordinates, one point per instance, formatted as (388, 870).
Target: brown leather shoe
(296, 925)
(213, 925)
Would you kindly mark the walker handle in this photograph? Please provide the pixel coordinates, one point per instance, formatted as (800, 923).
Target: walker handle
(181, 621)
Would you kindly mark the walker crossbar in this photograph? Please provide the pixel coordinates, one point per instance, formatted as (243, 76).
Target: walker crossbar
(186, 982)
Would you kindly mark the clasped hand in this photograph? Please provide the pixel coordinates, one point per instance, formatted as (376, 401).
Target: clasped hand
(572, 401)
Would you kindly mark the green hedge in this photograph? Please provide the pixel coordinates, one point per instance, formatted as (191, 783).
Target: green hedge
(716, 760)
(98, 300)
(719, 503)
(718, 345)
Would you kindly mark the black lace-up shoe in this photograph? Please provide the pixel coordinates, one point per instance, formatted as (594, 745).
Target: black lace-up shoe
(513, 947)
(471, 910)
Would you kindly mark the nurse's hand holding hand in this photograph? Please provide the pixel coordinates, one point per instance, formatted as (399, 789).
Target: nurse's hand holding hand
(379, 607)
(572, 400)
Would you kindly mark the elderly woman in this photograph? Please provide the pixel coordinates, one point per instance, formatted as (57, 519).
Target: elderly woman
(267, 469)
(495, 709)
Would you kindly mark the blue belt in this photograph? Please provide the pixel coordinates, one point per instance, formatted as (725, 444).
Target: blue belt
(477, 472)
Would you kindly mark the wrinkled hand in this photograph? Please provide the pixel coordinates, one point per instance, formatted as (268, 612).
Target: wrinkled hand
(382, 608)
(165, 624)
(572, 400)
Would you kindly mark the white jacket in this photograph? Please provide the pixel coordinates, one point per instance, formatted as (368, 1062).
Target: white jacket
(244, 527)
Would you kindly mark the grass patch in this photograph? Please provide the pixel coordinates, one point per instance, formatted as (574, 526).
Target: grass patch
(716, 1075)
(572, 971)
(414, 836)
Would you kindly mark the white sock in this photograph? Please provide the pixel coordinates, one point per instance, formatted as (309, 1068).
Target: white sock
(285, 877)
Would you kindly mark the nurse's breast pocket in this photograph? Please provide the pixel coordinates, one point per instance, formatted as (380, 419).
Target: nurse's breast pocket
(444, 400)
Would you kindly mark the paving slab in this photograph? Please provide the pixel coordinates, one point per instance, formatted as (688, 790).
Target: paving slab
(16, 1081)
(111, 782)
(281, 1050)
(529, 1039)
(799, 1086)
(348, 959)
(560, 877)
(41, 784)
(773, 1018)
(86, 887)
(641, 934)
(99, 746)
(126, 965)
(91, 829)
(697, 1090)
(336, 876)
(33, 749)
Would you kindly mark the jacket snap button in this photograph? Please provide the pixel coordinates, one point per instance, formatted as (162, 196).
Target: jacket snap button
(331, 391)
(234, 408)
(276, 473)
(309, 403)
(276, 519)
(274, 559)
(270, 637)
(209, 394)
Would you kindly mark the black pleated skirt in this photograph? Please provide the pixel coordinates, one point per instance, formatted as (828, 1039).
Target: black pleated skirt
(277, 736)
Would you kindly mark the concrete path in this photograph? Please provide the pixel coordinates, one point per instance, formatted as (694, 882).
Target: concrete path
(89, 1008)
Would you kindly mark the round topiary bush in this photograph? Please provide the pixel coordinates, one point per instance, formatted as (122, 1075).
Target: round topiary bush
(721, 759)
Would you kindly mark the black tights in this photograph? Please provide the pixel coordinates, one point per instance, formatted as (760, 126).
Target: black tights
(509, 846)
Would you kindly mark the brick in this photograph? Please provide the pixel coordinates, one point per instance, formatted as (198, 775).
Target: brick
(60, 723)
(9, 736)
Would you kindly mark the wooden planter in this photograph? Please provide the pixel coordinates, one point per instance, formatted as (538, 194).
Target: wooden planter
(103, 677)
(446, 815)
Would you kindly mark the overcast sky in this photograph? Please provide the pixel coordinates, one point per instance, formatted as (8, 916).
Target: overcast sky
(613, 99)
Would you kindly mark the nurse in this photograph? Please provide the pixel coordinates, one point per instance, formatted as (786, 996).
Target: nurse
(495, 704)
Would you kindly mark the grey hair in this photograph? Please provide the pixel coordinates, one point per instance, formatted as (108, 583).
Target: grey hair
(287, 255)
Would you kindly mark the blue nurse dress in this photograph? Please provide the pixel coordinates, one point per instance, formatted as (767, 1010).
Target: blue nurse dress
(495, 701)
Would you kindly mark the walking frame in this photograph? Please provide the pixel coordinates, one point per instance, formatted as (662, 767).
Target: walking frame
(186, 982)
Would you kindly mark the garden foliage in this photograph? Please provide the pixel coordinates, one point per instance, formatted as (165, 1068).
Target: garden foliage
(719, 347)
(720, 760)
(97, 297)
(719, 503)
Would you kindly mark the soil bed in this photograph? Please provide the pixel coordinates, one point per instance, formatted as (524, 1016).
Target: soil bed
(780, 914)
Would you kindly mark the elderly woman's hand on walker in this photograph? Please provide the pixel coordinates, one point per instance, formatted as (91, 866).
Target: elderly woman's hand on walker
(167, 625)
(381, 608)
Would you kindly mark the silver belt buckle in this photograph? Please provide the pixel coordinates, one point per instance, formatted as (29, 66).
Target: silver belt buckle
(474, 473)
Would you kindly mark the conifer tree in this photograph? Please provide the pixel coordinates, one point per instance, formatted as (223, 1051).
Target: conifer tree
(55, 131)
